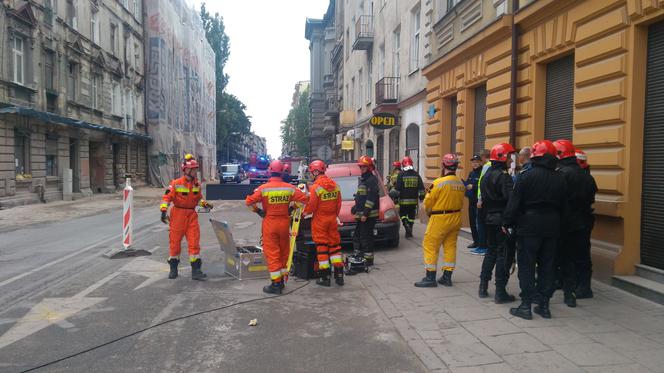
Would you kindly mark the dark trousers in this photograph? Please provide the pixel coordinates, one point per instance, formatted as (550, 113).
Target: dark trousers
(536, 253)
(570, 250)
(363, 238)
(472, 219)
(584, 265)
(496, 256)
(481, 228)
(408, 213)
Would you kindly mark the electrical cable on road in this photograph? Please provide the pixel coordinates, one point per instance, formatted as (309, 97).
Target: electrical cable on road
(163, 323)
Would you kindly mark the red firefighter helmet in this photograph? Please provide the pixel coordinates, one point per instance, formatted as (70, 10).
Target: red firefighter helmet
(543, 147)
(366, 161)
(276, 167)
(407, 161)
(499, 152)
(564, 149)
(189, 163)
(450, 161)
(396, 164)
(581, 158)
(317, 165)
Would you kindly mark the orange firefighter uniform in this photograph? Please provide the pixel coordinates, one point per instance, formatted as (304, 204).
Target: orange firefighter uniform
(276, 196)
(325, 204)
(185, 195)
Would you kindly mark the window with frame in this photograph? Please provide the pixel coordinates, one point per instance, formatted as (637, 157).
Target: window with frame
(21, 152)
(360, 91)
(71, 14)
(415, 42)
(49, 70)
(451, 4)
(72, 81)
(137, 9)
(49, 12)
(369, 80)
(114, 39)
(129, 110)
(18, 59)
(353, 104)
(381, 62)
(115, 99)
(396, 65)
(95, 88)
(51, 155)
(94, 26)
(137, 56)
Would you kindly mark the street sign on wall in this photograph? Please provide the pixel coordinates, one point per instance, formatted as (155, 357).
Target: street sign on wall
(383, 121)
(347, 145)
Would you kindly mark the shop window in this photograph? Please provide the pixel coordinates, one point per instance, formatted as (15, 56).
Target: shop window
(559, 109)
(51, 156)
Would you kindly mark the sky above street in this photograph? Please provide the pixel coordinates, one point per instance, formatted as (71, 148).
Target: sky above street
(269, 54)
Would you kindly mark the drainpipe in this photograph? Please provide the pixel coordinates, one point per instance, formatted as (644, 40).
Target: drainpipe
(514, 71)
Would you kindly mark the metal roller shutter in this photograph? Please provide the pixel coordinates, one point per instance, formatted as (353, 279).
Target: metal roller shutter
(652, 200)
(480, 119)
(453, 126)
(380, 151)
(558, 115)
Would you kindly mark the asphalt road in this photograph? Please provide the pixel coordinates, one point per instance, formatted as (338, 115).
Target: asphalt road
(61, 299)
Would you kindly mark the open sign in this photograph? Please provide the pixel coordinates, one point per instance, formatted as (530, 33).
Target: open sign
(383, 121)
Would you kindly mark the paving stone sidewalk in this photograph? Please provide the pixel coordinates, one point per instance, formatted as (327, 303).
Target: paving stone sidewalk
(453, 330)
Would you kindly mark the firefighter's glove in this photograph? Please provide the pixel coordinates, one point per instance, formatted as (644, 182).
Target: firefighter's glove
(207, 205)
(164, 217)
(260, 213)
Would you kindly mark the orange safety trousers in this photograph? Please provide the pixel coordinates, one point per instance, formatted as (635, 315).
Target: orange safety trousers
(325, 233)
(184, 223)
(276, 244)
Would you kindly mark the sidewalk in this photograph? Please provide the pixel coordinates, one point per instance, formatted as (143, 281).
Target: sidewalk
(452, 329)
(22, 216)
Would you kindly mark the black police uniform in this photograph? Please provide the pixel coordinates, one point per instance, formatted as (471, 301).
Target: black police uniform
(496, 188)
(535, 209)
(574, 252)
(473, 179)
(411, 190)
(366, 204)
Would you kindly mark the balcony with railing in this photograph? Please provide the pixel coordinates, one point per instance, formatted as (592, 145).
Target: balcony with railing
(364, 33)
(387, 91)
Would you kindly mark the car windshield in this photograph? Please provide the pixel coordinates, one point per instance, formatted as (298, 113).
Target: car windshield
(348, 187)
(229, 168)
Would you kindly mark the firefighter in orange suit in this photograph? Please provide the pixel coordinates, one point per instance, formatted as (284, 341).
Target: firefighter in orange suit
(185, 194)
(276, 197)
(325, 204)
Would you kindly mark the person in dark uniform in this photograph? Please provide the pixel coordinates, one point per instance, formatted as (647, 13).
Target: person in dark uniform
(366, 210)
(535, 209)
(410, 187)
(574, 254)
(471, 193)
(496, 189)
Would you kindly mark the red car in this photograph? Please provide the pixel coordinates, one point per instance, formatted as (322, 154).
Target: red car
(388, 225)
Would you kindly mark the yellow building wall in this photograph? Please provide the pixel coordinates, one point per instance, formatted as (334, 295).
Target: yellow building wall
(609, 41)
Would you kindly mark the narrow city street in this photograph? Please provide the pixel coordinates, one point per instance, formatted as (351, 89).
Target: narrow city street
(60, 298)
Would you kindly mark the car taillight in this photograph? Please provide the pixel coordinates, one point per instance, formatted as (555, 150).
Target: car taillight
(390, 214)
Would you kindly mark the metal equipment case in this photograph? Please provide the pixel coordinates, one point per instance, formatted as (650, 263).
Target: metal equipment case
(241, 262)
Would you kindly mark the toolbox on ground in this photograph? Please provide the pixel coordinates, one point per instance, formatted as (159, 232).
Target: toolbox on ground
(305, 260)
(241, 262)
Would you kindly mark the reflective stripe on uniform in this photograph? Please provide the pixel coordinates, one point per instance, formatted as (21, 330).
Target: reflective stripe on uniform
(324, 264)
(163, 206)
(369, 204)
(430, 267)
(335, 258)
(195, 189)
(327, 195)
(449, 264)
(408, 201)
(275, 275)
(278, 195)
(181, 189)
(450, 182)
(192, 258)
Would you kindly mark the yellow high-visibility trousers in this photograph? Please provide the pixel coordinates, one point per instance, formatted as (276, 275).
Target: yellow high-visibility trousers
(443, 230)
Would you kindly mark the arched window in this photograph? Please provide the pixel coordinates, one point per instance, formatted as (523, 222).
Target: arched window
(370, 148)
(394, 146)
(413, 142)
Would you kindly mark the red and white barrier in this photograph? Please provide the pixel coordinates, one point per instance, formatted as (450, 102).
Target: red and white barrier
(127, 215)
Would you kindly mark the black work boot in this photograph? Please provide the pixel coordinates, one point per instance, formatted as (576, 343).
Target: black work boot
(570, 299)
(173, 262)
(276, 287)
(339, 275)
(583, 291)
(429, 281)
(196, 273)
(542, 308)
(409, 231)
(369, 257)
(324, 280)
(484, 287)
(502, 296)
(446, 278)
(523, 311)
